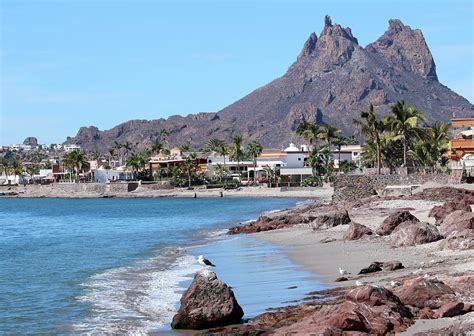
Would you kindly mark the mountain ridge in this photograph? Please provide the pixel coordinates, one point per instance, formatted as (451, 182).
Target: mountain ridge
(332, 80)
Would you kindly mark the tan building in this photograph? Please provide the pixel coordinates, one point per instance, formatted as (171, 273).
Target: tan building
(461, 142)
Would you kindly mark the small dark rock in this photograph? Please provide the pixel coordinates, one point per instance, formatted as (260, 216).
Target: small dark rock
(374, 267)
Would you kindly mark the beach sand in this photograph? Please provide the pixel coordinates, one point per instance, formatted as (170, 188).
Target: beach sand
(303, 246)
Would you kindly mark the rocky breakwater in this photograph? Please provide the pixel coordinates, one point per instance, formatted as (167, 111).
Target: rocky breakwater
(207, 303)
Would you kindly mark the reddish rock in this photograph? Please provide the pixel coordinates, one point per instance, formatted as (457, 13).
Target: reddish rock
(356, 231)
(411, 234)
(421, 292)
(331, 219)
(395, 219)
(450, 309)
(266, 223)
(374, 267)
(462, 285)
(425, 314)
(457, 221)
(367, 309)
(392, 265)
(207, 303)
(441, 211)
(459, 240)
(340, 279)
(446, 193)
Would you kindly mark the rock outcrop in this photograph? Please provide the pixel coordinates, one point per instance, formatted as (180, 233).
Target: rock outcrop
(357, 231)
(441, 211)
(332, 80)
(459, 240)
(267, 223)
(421, 292)
(373, 310)
(331, 219)
(32, 141)
(207, 303)
(457, 221)
(395, 219)
(411, 234)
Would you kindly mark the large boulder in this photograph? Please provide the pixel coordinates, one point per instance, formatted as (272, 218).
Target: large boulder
(207, 303)
(411, 234)
(422, 292)
(441, 211)
(357, 231)
(373, 310)
(459, 240)
(457, 221)
(331, 219)
(395, 219)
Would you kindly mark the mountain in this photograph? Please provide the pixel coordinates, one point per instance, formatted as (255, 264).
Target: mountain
(331, 81)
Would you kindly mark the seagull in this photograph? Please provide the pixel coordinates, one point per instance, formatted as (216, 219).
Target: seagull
(394, 283)
(359, 283)
(204, 262)
(343, 272)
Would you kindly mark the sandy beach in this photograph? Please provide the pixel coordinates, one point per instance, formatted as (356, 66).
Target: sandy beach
(304, 247)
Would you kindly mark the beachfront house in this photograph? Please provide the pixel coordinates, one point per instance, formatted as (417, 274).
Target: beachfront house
(175, 158)
(234, 168)
(349, 153)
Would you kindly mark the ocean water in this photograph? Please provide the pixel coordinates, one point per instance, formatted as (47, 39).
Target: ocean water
(119, 266)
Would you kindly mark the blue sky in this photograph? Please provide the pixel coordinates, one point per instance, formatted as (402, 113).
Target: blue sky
(66, 64)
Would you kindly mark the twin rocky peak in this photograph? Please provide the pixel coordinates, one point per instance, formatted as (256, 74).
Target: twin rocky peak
(400, 45)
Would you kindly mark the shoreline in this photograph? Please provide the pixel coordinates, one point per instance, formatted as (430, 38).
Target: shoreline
(306, 247)
(39, 191)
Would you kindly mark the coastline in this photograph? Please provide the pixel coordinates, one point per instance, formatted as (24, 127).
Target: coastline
(50, 191)
(322, 252)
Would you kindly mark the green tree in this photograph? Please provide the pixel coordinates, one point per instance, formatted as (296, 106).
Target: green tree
(189, 167)
(402, 124)
(76, 160)
(309, 131)
(328, 133)
(373, 130)
(236, 151)
(254, 149)
(219, 147)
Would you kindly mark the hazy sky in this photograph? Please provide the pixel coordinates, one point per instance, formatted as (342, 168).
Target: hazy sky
(66, 64)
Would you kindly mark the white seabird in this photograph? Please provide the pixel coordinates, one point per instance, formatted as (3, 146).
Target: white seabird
(205, 262)
(394, 283)
(359, 283)
(342, 271)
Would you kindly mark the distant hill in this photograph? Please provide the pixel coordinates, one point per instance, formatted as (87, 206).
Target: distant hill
(332, 80)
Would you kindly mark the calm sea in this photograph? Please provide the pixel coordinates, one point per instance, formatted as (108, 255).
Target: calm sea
(119, 266)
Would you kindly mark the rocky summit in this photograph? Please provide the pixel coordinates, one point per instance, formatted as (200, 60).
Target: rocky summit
(332, 80)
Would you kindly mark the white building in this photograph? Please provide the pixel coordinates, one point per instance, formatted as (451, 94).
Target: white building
(349, 153)
(72, 147)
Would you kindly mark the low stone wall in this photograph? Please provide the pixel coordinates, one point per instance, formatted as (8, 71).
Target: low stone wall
(354, 187)
(97, 188)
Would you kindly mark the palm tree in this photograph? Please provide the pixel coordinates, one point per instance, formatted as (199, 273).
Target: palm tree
(76, 160)
(254, 149)
(164, 134)
(372, 129)
(220, 171)
(402, 125)
(111, 153)
(137, 161)
(309, 131)
(219, 147)
(32, 170)
(189, 166)
(183, 148)
(236, 150)
(127, 146)
(328, 133)
(96, 155)
(118, 146)
(320, 160)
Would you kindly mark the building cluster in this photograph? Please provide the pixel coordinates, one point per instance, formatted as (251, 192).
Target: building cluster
(290, 164)
(43, 147)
